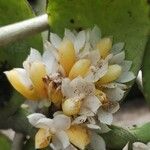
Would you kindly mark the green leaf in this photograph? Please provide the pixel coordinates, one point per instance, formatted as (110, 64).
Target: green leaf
(118, 137)
(5, 143)
(126, 21)
(13, 55)
(146, 73)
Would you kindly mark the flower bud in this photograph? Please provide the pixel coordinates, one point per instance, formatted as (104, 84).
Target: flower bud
(55, 95)
(104, 47)
(79, 136)
(80, 68)
(37, 73)
(18, 80)
(114, 71)
(42, 138)
(71, 106)
(67, 55)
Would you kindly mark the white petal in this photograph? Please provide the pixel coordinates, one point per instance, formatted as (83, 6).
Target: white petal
(79, 41)
(126, 65)
(55, 40)
(34, 118)
(23, 77)
(81, 86)
(140, 146)
(87, 112)
(94, 56)
(105, 117)
(117, 47)
(95, 36)
(114, 85)
(63, 139)
(50, 62)
(126, 77)
(45, 123)
(115, 94)
(34, 56)
(97, 142)
(96, 72)
(79, 120)
(126, 147)
(85, 52)
(69, 35)
(70, 147)
(92, 103)
(93, 126)
(62, 122)
(118, 58)
(65, 88)
(114, 107)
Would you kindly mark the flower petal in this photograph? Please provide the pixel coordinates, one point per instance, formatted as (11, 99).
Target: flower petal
(95, 36)
(34, 56)
(20, 80)
(140, 146)
(115, 94)
(79, 136)
(37, 73)
(42, 138)
(97, 142)
(62, 122)
(50, 61)
(79, 41)
(96, 72)
(35, 117)
(55, 40)
(92, 103)
(126, 77)
(118, 58)
(69, 35)
(63, 138)
(79, 120)
(45, 123)
(116, 48)
(105, 117)
(126, 147)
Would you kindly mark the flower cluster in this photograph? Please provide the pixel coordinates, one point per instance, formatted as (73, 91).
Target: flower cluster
(83, 76)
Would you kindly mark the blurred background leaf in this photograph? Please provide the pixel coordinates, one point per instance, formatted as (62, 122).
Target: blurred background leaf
(5, 143)
(12, 55)
(114, 17)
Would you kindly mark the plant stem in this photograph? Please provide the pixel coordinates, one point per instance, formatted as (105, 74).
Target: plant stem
(18, 142)
(21, 30)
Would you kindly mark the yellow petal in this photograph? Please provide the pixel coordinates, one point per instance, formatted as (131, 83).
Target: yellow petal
(104, 46)
(37, 73)
(71, 106)
(55, 95)
(67, 55)
(78, 136)
(80, 68)
(114, 71)
(42, 138)
(16, 80)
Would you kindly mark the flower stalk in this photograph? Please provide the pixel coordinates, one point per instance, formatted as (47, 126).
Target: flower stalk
(23, 29)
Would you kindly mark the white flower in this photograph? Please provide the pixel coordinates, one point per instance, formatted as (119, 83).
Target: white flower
(84, 92)
(55, 127)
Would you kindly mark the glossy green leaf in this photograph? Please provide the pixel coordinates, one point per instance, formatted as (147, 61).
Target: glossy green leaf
(5, 143)
(126, 21)
(13, 55)
(146, 73)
